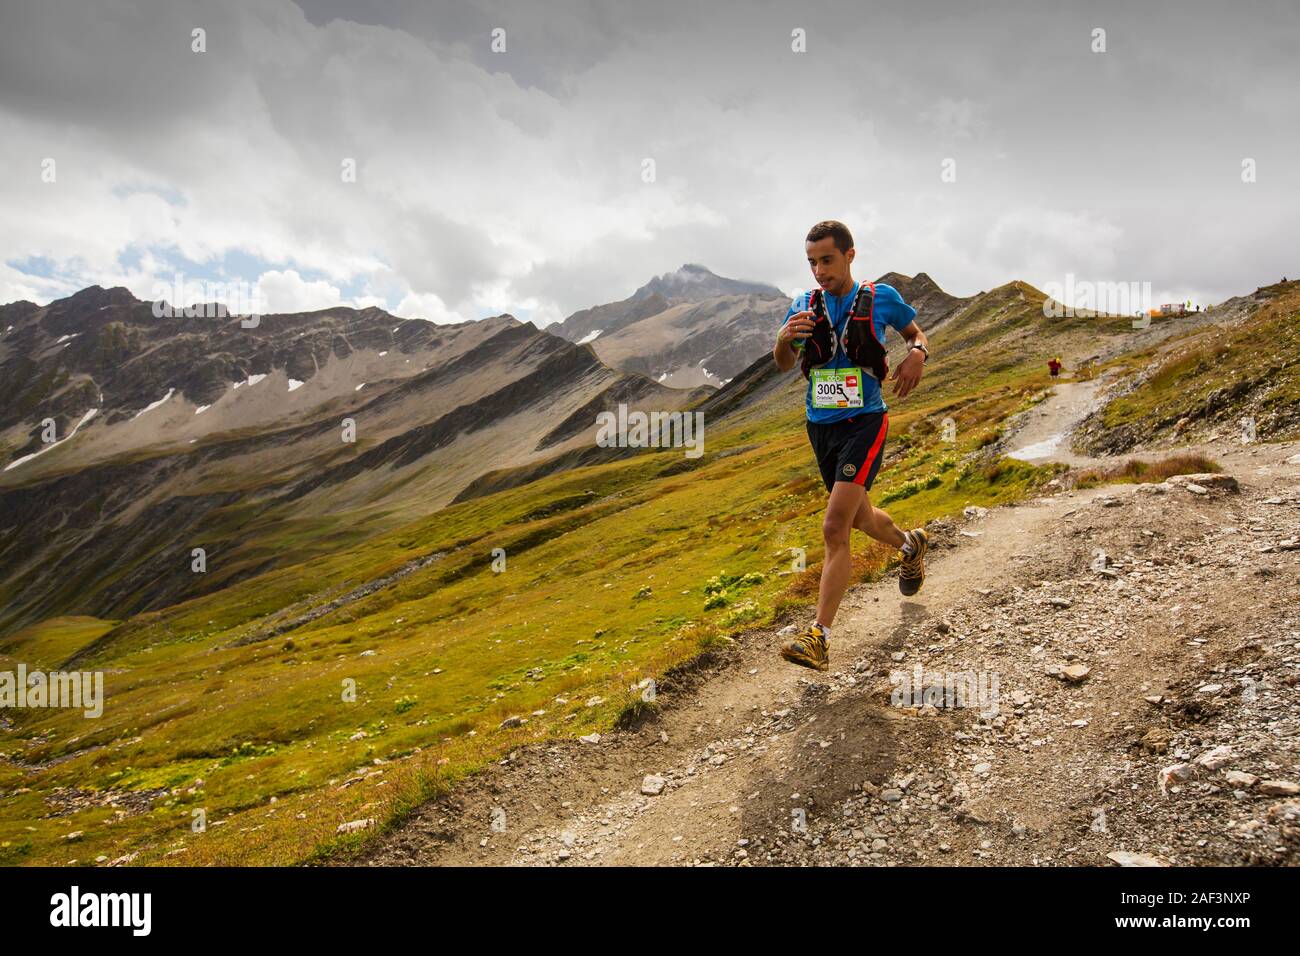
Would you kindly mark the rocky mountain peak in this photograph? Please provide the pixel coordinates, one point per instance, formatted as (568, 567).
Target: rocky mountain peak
(694, 282)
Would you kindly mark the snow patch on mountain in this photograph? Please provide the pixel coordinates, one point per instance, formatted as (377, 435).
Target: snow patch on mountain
(36, 454)
(153, 405)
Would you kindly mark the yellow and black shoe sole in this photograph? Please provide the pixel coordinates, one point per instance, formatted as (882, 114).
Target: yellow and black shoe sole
(911, 585)
(805, 660)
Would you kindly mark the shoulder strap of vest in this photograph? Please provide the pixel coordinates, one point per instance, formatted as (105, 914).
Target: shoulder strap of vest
(866, 288)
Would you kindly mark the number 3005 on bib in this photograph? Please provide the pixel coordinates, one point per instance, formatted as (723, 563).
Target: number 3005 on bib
(837, 387)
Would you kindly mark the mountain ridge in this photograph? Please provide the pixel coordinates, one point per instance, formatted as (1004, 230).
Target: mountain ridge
(494, 597)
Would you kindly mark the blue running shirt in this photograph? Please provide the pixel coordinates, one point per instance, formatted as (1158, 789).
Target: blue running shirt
(889, 310)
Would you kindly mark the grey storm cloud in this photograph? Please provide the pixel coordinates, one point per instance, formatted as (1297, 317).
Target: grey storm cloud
(513, 181)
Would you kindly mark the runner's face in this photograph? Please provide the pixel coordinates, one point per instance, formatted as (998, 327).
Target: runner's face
(830, 267)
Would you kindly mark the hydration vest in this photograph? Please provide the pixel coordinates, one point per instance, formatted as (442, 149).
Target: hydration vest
(858, 341)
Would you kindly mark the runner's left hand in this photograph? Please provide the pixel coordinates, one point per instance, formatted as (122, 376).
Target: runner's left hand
(908, 374)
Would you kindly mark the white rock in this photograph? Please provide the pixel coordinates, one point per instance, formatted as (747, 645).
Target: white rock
(1178, 771)
(1076, 673)
(1125, 858)
(1279, 788)
(1215, 759)
(353, 825)
(1205, 481)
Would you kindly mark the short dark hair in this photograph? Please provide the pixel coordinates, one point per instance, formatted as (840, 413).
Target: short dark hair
(836, 230)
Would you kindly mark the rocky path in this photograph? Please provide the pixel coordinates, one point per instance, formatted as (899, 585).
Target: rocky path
(1128, 657)
(1045, 433)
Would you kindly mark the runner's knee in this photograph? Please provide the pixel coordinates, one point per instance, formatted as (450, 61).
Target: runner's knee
(835, 529)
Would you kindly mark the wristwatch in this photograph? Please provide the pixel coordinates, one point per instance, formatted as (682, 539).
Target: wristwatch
(924, 351)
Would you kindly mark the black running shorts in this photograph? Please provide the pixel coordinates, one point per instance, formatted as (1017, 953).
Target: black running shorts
(850, 449)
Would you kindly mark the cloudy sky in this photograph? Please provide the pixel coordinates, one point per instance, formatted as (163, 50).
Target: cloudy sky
(518, 181)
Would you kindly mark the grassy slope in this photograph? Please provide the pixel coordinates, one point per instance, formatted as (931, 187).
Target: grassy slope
(604, 584)
(50, 642)
(1256, 362)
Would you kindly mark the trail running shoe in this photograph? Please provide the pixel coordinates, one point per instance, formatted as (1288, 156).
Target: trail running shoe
(911, 572)
(808, 649)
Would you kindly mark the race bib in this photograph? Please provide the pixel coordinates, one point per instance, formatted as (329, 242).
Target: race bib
(837, 387)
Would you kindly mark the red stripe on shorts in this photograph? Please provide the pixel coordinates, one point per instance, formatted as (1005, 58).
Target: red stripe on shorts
(865, 468)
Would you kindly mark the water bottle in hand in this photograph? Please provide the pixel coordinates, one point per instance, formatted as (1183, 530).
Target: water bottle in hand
(797, 344)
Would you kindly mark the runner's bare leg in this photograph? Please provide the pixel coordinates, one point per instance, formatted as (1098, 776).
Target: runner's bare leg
(845, 500)
(877, 523)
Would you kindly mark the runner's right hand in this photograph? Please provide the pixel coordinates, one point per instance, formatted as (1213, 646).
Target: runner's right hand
(799, 327)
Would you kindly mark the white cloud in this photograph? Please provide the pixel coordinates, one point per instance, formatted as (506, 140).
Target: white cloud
(289, 292)
(490, 183)
(1039, 239)
(955, 119)
(425, 306)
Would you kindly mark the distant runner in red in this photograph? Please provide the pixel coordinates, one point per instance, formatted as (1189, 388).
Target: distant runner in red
(1054, 366)
(836, 335)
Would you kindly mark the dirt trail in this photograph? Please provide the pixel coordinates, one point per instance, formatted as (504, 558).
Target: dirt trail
(1045, 434)
(762, 762)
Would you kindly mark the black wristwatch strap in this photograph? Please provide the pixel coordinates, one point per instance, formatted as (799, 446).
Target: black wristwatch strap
(925, 353)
